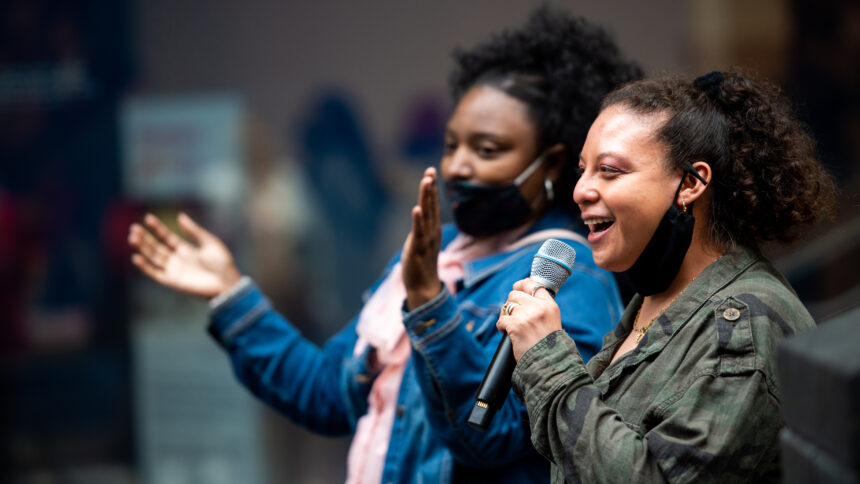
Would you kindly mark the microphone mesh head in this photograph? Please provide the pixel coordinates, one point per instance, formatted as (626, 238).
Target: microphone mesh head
(553, 264)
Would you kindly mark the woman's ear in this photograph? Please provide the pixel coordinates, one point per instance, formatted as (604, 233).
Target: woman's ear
(693, 188)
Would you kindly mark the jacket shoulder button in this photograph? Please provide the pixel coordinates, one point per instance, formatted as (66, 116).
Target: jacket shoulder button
(731, 314)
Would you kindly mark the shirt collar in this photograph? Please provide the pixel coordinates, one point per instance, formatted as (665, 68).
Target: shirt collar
(479, 269)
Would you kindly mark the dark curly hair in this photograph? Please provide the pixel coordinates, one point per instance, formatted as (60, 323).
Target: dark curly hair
(560, 66)
(767, 182)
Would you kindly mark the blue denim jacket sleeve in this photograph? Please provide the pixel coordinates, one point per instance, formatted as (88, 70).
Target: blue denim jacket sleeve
(315, 387)
(450, 359)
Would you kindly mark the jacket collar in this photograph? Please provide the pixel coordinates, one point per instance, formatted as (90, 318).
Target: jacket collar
(479, 269)
(712, 279)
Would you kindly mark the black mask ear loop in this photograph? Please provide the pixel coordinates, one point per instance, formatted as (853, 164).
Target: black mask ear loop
(660, 261)
(688, 170)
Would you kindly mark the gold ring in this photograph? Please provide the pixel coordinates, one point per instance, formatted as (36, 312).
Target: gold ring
(508, 308)
(535, 289)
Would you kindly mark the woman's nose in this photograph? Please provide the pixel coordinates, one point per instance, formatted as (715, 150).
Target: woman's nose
(458, 165)
(584, 191)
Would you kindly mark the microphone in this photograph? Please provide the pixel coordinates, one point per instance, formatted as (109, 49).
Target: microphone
(551, 266)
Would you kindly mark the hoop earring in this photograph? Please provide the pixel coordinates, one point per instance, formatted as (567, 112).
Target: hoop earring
(550, 192)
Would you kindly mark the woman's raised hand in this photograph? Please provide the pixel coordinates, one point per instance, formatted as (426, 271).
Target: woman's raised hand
(421, 250)
(204, 268)
(529, 315)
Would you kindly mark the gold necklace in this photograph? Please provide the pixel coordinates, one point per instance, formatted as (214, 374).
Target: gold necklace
(645, 328)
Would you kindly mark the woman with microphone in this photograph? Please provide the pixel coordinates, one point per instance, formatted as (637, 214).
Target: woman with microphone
(682, 183)
(402, 375)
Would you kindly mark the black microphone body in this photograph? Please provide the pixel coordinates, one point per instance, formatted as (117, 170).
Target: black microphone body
(551, 266)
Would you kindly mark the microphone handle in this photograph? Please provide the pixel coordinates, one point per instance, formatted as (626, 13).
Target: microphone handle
(494, 387)
(496, 384)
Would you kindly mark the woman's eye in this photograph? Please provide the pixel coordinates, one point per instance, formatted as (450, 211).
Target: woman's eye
(487, 151)
(450, 146)
(579, 170)
(609, 170)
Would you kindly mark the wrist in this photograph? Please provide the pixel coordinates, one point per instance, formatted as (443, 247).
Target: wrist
(417, 297)
(229, 292)
(230, 278)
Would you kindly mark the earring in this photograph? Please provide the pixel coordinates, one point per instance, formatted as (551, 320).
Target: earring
(683, 206)
(550, 193)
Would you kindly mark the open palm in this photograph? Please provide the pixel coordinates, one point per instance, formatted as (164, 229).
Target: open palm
(421, 249)
(202, 268)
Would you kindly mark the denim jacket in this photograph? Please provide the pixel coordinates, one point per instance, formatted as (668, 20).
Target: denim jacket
(453, 339)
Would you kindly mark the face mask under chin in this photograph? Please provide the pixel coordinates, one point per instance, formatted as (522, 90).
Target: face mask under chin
(660, 261)
(483, 210)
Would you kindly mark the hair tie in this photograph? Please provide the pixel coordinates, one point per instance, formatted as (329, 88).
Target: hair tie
(710, 83)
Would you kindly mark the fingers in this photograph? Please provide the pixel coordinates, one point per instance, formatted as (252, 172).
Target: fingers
(532, 317)
(155, 252)
(146, 266)
(432, 198)
(161, 232)
(507, 322)
(528, 317)
(427, 196)
(418, 223)
(197, 233)
(519, 297)
(517, 303)
(527, 307)
(532, 288)
(426, 219)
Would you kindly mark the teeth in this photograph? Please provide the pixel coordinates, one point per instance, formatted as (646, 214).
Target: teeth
(599, 221)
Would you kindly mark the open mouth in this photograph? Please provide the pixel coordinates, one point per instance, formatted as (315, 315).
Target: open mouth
(598, 225)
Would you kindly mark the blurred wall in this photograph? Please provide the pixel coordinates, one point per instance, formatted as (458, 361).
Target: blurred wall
(382, 52)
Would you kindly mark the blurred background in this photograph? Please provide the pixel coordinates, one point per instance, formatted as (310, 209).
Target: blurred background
(297, 132)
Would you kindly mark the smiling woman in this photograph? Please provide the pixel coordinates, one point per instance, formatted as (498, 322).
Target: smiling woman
(622, 170)
(686, 179)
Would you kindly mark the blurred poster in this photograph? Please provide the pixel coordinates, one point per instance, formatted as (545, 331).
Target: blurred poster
(183, 148)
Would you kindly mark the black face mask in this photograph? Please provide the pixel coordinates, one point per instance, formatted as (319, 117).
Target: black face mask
(481, 210)
(661, 260)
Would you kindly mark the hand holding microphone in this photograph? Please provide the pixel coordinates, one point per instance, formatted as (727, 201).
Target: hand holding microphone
(536, 316)
(529, 314)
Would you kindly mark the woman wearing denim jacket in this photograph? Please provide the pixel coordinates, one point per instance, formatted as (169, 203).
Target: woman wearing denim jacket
(403, 373)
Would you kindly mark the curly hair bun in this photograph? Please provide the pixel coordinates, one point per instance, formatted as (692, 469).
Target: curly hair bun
(781, 185)
(768, 182)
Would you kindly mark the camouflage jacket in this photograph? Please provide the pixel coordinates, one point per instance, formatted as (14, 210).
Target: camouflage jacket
(695, 401)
